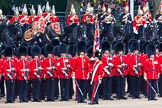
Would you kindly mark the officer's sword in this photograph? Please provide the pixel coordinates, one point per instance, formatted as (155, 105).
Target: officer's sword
(151, 86)
(78, 86)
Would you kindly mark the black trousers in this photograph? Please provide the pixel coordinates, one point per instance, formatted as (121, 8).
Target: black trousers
(107, 87)
(71, 89)
(82, 85)
(129, 84)
(151, 93)
(136, 84)
(56, 95)
(64, 84)
(23, 90)
(10, 85)
(2, 90)
(50, 90)
(36, 84)
(43, 89)
(29, 89)
(95, 95)
(160, 85)
(120, 86)
(89, 89)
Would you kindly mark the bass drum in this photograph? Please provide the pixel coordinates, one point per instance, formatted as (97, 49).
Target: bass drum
(28, 35)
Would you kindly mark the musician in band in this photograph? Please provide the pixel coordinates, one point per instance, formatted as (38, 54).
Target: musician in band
(139, 23)
(159, 19)
(32, 16)
(23, 74)
(120, 72)
(72, 20)
(9, 75)
(108, 20)
(15, 17)
(146, 13)
(160, 70)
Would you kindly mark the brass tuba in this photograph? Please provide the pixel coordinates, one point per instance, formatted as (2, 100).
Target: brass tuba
(28, 35)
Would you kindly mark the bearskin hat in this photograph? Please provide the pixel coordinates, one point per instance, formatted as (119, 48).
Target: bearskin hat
(56, 51)
(129, 44)
(81, 47)
(98, 54)
(8, 52)
(89, 43)
(62, 48)
(150, 49)
(71, 50)
(90, 51)
(29, 51)
(105, 46)
(14, 48)
(160, 47)
(35, 50)
(134, 46)
(144, 47)
(55, 42)
(43, 50)
(113, 45)
(22, 51)
(119, 46)
(49, 49)
(24, 44)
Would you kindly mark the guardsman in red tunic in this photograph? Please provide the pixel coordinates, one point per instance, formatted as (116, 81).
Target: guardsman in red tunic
(135, 66)
(139, 21)
(71, 61)
(9, 68)
(36, 73)
(151, 72)
(120, 72)
(23, 18)
(50, 71)
(64, 71)
(160, 66)
(81, 71)
(1, 77)
(15, 17)
(22, 67)
(97, 74)
(107, 61)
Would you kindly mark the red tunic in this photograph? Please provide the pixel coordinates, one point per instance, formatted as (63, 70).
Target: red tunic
(54, 19)
(72, 19)
(21, 66)
(50, 66)
(137, 23)
(36, 68)
(106, 60)
(151, 68)
(7, 65)
(117, 62)
(81, 68)
(99, 71)
(134, 60)
(23, 19)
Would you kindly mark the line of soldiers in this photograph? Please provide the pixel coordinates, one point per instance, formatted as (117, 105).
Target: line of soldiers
(36, 70)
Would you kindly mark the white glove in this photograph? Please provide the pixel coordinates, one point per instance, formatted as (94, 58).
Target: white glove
(110, 64)
(145, 25)
(145, 78)
(135, 31)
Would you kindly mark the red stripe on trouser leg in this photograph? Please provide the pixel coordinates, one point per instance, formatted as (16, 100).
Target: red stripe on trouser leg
(93, 91)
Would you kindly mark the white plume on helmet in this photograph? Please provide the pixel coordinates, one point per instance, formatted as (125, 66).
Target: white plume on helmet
(39, 10)
(1, 12)
(16, 11)
(47, 7)
(25, 9)
(53, 10)
(72, 11)
(32, 10)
